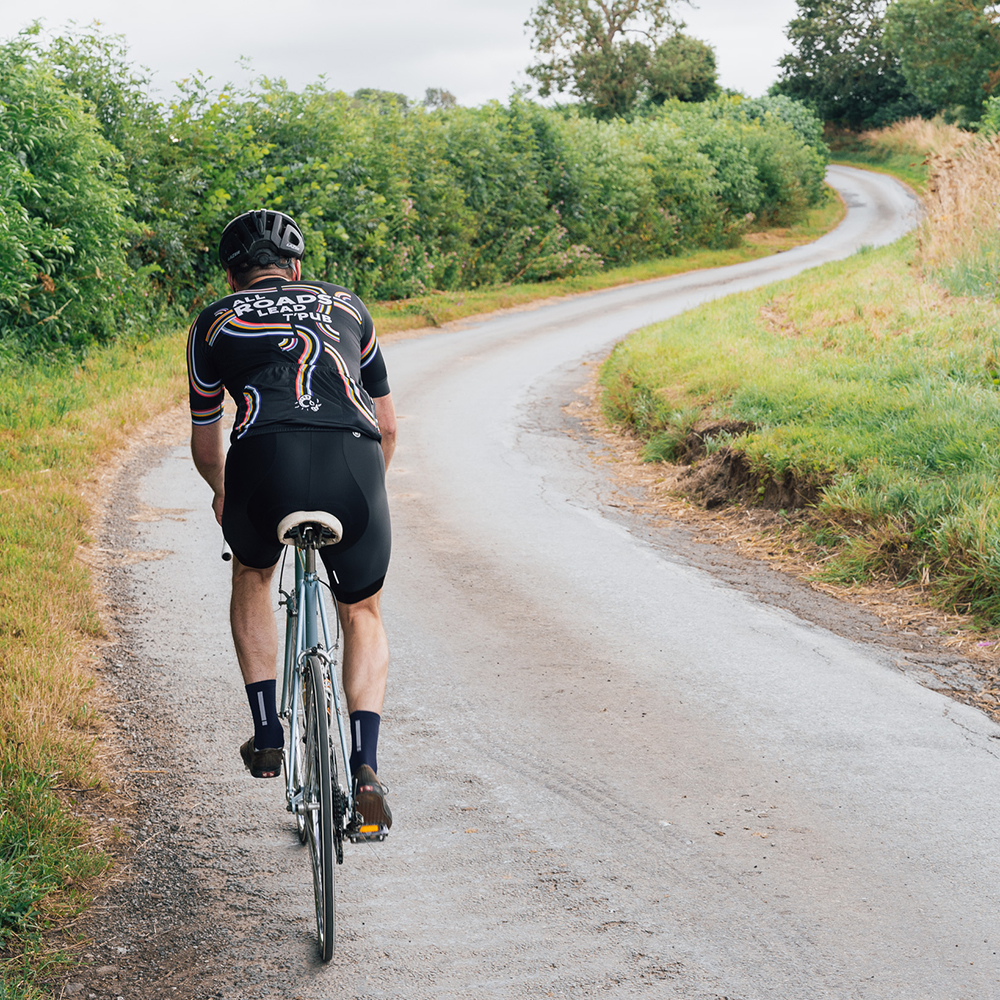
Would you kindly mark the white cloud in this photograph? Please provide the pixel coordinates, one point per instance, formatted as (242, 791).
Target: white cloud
(475, 49)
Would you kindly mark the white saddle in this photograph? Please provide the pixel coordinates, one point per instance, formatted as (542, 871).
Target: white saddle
(330, 529)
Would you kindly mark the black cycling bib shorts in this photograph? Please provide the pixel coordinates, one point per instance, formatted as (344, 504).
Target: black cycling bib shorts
(269, 476)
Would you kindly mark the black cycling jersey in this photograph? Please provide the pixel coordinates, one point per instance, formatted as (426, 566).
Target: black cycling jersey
(292, 354)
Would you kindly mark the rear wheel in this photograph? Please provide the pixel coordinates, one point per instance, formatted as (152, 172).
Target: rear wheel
(297, 762)
(317, 801)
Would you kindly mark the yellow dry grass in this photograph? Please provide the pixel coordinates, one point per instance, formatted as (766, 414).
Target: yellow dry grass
(900, 150)
(917, 136)
(963, 203)
(60, 424)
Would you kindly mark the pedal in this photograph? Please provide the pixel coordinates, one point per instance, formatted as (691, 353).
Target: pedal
(368, 834)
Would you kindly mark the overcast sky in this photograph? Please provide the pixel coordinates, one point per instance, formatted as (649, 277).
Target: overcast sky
(477, 49)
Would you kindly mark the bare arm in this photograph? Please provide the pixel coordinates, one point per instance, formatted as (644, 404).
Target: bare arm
(385, 413)
(210, 460)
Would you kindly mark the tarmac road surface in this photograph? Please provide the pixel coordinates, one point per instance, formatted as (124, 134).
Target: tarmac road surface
(612, 774)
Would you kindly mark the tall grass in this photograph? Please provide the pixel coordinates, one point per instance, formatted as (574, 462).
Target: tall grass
(57, 420)
(960, 241)
(916, 137)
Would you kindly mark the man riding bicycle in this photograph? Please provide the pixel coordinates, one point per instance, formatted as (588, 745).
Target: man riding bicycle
(315, 430)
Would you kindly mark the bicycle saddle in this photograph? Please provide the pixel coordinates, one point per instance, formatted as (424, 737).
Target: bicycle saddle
(328, 528)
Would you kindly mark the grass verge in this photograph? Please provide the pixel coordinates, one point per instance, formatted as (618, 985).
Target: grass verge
(57, 421)
(438, 308)
(858, 389)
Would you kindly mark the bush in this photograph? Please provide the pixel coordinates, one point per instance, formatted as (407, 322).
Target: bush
(989, 123)
(790, 173)
(64, 205)
(806, 125)
(766, 154)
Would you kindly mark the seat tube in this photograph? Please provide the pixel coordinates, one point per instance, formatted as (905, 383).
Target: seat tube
(309, 611)
(291, 628)
(291, 635)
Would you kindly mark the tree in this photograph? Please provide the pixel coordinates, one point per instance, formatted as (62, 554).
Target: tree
(842, 66)
(948, 50)
(613, 54)
(438, 97)
(386, 100)
(682, 67)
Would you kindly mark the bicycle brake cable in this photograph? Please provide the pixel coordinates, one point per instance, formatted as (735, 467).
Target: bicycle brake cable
(336, 606)
(281, 578)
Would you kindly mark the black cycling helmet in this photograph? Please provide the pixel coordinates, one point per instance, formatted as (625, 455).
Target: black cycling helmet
(260, 238)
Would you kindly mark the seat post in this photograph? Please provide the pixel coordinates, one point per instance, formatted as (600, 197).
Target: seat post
(310, 582)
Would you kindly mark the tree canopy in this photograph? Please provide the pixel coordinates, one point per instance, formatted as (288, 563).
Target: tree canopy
(870, 62)
(842, 65)
(683, 68)
(948, 52)
(616, 55)
(438, 97)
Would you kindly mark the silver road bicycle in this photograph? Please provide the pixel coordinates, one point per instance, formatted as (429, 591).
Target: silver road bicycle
(317, 779)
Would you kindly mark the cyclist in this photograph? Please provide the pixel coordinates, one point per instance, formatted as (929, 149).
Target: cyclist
(315, 430)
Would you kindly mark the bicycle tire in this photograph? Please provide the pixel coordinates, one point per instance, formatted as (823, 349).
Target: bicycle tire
(297, 758)
(296, 750)
(318, 799)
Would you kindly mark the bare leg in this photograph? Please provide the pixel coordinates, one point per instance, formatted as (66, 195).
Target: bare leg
(255, 634)
(366, 665)
(366, 655)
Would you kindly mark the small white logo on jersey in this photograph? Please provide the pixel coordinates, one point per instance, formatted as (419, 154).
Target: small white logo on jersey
(307, 402)
(357, 434)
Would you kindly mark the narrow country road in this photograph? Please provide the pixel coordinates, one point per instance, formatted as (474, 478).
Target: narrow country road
(612, 774)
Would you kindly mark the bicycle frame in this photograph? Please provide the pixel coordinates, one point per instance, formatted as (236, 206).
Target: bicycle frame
(303, 626)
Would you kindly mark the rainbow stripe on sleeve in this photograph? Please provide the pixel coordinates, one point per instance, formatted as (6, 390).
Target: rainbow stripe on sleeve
(212, 393)
(369, 350)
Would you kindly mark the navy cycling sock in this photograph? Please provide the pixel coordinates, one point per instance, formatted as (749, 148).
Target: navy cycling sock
(364, 740)
(267, 731)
